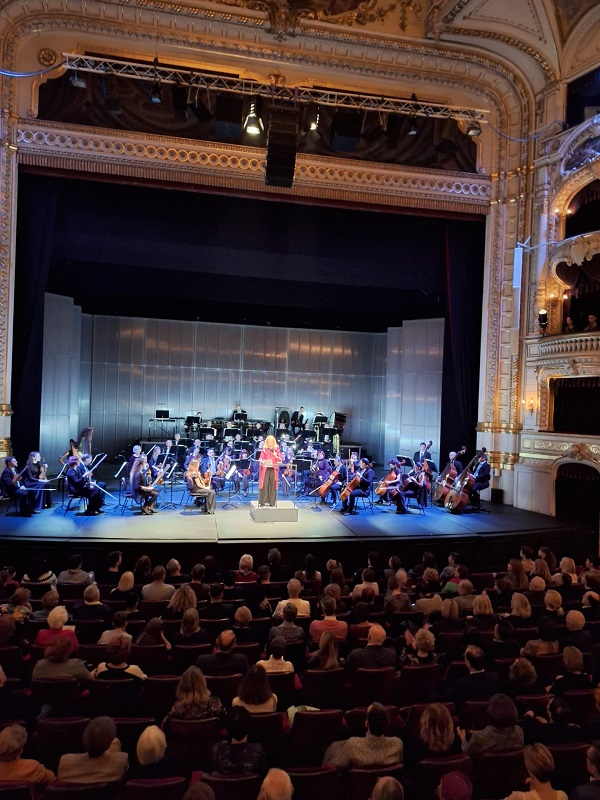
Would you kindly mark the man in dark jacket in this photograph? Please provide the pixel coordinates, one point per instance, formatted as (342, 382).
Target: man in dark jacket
(225, 661)
(478, 684)
(374, 654)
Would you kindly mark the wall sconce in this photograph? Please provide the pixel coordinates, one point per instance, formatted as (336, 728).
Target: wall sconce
(543, 319)
(530, 405)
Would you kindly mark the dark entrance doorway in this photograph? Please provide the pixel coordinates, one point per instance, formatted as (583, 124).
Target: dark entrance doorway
(578, 493)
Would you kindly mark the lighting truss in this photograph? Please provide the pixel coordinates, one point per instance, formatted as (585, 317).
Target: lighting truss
(246, 86)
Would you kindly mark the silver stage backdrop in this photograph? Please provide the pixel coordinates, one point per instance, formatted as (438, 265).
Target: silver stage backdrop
(116, 371)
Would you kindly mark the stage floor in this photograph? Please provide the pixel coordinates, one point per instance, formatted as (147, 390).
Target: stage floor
(233, 523)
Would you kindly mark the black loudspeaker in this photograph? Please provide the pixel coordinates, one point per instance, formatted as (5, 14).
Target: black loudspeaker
(497, 496)
(282, 145)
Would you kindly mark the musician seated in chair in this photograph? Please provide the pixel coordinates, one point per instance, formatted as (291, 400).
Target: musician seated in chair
(142, 486)
(366, 477)
(84, 467)
(199, 486)
(482, 476)
(318, 474)
(13, 488)
(80, 486)
(410, 488)
(340, 480)
(289, 475)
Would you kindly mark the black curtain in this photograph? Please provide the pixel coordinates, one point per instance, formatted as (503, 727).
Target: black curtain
(464, 248)
(576, 402)
(36, 218)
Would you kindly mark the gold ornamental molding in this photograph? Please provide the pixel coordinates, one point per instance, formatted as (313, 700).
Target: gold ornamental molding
(570, 344)
(207, 163)
(574, 250)
(5, 410)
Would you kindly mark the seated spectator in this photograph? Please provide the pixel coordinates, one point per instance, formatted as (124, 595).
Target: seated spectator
(541, 571)
(193, 699)
(238, 756)
(564, 586)
(57, 663)
(50, 600)
(500, 596)
(366, 751)
(574, 678)
(255, 692)
(568, 565)
(590, 790)
(450, 621)
(217, 609)
(199, 791)
(294, 588)
(231, 591)
(276, 662)
(201, 589)
(396, 599)
(517, 575)
(117, 666)
(110, 575)
(522, 678)
(549, 557)
(460, 573)
(504, 644)
(124, 588)
(502, 733)
(244, 632)
(527, 562)
(576, 636)
(455, 785)
(428, 601)
(311, 573)
(557, 729)
(368, 580)
(10, 635)
(158, 590)
(102, 760)
(279, 571)
(338, 578)
(74, 574)
(546, 643)
(332, 564)
(418, 649)
(536, 592)
(539, 763)
(142, 571)
(118, 629)
(447, 574)
(18, 606)
(483, 617)
(174, 574)
(427, 562)
(245, 572)
(153, 760)
(326, 657)
(339, 628)
(520, 611)
(39, 574)
(153, 635)
(591, 606)
(190, 631)
(57, 620)
(432, 579)
(276, 786)
(436, 735)
(183, 599)
(92, 608)
(388, 788)
(8, 584)
(288, 628)
(478, 684)
(359, 629)
(225, 661)
(374, 654)
(13, 768)
(465, 597)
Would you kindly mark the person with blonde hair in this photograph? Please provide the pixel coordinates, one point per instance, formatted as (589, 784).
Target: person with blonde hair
(193, 699)
(13, 768)
(450, 621)
(124, 588)
(483, 613)
(277, 785)
(183, 600)
(553, 604)
(574, 678)
(539, 763)
(436, 734)
(520, 610)
(418, 649)
(199, 486)
(268, 478)
(190, 631)
(57, 619)
(326, 657)
(568, 565)
(245, 572)
(576, 636)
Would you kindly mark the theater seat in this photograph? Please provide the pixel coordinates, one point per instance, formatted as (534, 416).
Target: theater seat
(157, 789)
(359, 783)
(234, 787)
(499, 774)
(313, 783)
(430, 771)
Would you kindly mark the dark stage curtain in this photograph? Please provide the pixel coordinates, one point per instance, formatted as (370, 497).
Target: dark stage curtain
(577, 495)
(576, 402)
(464, 247)
(36, 218)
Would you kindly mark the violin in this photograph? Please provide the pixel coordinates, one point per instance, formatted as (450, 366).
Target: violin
(289, 470)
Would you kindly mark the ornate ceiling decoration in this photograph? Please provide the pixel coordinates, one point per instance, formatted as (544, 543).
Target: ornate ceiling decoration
(569, 12)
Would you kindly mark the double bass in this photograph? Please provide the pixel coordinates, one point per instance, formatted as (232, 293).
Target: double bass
(444, 481)
(458, 497)
(422, 471)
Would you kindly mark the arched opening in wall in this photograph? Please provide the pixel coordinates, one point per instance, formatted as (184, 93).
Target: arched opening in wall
(575, 405)
(577, 489)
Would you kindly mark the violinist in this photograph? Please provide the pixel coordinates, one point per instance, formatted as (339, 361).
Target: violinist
(84, 470)
(142, 485)
(194, 452)
(218, 478)
(157, 468)
(199, 486)
(34, 477)
(367, 476)
(482, 476)
(12, 487)
(135, 453)
(289, 476)
(80, 487)
(247, 473)
(209, 463)
(268, 478)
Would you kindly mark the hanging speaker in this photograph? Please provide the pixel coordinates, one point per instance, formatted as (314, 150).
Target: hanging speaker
(282, 145)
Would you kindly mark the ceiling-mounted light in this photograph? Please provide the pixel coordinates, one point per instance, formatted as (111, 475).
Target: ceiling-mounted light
(253, 124)
(156, 90)
(412, 126)
(474, 129)
(77, 80)
(312, 117)
(543, 318)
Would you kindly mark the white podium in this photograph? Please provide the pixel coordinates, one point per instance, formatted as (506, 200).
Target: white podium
(286, 511)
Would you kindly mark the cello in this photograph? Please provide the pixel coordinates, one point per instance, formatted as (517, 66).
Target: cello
(323, 490)
(444, 481)
(352, 484)
(458, 497)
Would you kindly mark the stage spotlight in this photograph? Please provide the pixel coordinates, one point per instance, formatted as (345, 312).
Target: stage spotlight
(474, 129)
(253, 124)
(312, 117)
(78, 81)
(412, 126)
(543, 319)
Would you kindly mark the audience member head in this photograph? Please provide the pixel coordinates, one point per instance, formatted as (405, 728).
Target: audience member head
(264, 573)
(246, 564)
(98, 736)
(199, 791)
(276, 786)
(542, 571)
(75, 561)
(475, 658)
(593, 760)
(505, 630)
(290, 612)
(255, 688)
(198, 571)
(59, 650)
(329, 606)
(559, 711)
(13, 739)
(361, 612)
(118, 651)
(57, 618)
(211, 569)
(548, 556)
(378, 719)
(278, 645)
(436, 728)
(502, 712)
(337, 577)
(190, 622)
(368, 595)
(573, 658)
(126, 582)
(294, 588)
(553, 600)
(431, 575)
(159, 573)
(237, 723)
(547, 629)
(568, 565)
(216, 592)
(226, 641)
(143, 566)
(523, 672)
(191, 691)
(151, 746)
(377, 635)
(242, 617)
(91, 594)
(328, 651)
(387, 788)
(455, 785)
(520, 606)
(425, 641)
(50, 600)
(402, 578)
(537, 584)
(183, 599)
(575, 621)
(539, 763)
(482, 605)
(519, 578)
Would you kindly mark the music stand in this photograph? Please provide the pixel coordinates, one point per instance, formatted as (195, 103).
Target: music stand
(162, 413)
(302, 465)
(170, 477)
(240, 416)
(228, 476)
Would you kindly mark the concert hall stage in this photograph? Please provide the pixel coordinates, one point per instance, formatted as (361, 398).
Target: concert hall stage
(496, 534)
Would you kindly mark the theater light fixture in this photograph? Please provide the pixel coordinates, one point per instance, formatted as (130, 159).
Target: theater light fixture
(312, 117)
(412, 121)
(543, 319)
(78, 81)
(474, 129)
(253, 124)
(156, 90)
